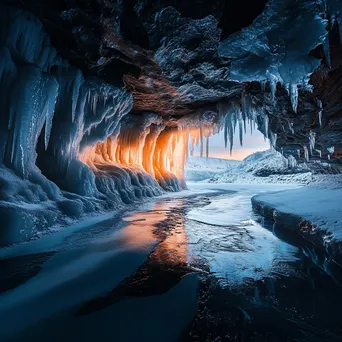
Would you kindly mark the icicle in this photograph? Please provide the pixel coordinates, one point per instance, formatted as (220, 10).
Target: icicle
(312, 141)
(319, 152)
(292, 162)
(306, 153)
(235, 120)
(291, 127)
(273, 85)
(241, 132)
(207, 148)
(320, 113)
(246, 108)
(225, 134)
(231, 136)
(266, 124)
(273, 139)
(273, 80)
(298, 152)
(192, 149)
(293, 89)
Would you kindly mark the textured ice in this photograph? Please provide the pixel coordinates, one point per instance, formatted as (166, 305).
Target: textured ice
(198, 168)
(321, 204)
(265, 167)
(51, 114)
(257, 54)
(69, 144)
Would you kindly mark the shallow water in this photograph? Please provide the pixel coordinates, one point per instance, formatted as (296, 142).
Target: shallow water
(197, 266)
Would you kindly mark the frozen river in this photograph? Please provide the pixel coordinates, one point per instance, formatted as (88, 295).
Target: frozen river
(193, 266)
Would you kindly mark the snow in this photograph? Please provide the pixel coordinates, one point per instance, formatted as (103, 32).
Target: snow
(320, 204)
(265, 167)
(198, 168)
(97, 260)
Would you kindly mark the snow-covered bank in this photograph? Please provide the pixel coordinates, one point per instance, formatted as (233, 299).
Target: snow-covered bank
(267, 167)
(198, 169)
(314, 212)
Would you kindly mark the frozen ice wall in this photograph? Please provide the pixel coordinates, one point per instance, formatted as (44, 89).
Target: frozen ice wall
(70, 144)
(51, 116)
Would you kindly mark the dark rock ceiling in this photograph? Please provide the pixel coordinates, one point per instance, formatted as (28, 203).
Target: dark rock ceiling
(166, 53)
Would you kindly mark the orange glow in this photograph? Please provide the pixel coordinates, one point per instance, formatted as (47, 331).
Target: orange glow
(142, 231)
(237, 154)
(159, 151)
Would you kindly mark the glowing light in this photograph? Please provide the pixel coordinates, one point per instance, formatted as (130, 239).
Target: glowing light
(160, 152)
(141, 232)
(145, 144)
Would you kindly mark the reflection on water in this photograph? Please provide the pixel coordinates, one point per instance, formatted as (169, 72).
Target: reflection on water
(145, 227)
(234, 245)
(263, 285)
(267, 284)
(258, 283)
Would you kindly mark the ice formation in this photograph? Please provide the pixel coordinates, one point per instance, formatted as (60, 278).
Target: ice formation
(257, 55)
(68, 145)
(312, 141)
(320, 112)
(72, 144)
(306, 153)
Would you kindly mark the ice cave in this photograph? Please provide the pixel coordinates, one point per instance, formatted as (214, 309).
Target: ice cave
(170, 170)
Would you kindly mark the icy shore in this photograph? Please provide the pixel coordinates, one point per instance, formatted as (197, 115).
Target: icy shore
(314, 212)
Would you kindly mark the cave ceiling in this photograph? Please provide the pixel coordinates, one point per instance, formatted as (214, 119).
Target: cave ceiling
(179, 57)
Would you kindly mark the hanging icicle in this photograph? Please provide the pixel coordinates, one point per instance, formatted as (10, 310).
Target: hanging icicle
(306, 153)
(312, 141)
(293, 90)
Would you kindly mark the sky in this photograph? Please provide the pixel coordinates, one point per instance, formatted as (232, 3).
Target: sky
(251, 143)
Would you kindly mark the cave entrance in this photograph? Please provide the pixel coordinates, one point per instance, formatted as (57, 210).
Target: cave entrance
(216, 157)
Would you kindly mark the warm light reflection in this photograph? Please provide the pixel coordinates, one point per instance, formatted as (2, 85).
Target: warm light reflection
(160, 151)
(142, 231)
